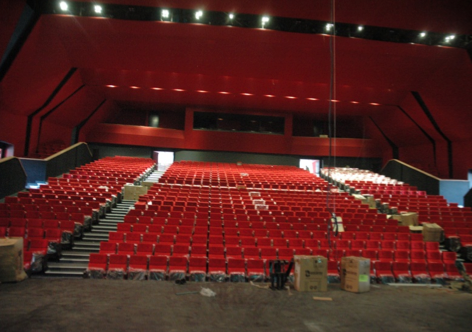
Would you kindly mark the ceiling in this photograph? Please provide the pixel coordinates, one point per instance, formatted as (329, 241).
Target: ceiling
(153, 63)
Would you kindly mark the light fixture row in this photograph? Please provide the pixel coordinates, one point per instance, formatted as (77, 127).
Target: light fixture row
(166, 16)
(246, 94)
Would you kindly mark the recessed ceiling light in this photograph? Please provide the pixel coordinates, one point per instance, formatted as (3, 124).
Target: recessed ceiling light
(354, 102)
(290, 97)
(335, 101)
(198, 14)
(63, 5)
(97, 9)
(202, 91)
(231, 16)
(165, 13)
(374, 104)
(423, 34)
(312, 98)
(157, 89)
(265, 20)
(134, 87)
(247, 94)
(178, 90)
(269, 96)
(110, 86)
(328, 26)
(224, 93)
(360, 28)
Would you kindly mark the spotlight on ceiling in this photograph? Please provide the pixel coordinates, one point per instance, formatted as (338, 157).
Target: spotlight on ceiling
(265, 20)
(198, 14)
(63, 5)
(423, 34)
(202, 91)
(164, 14)
(157, 89)
(360, 28)
(231, 16)
(97, 9)
(312, 99)
(329, 26)
(449, 38)
(269, 96)
(111, 86)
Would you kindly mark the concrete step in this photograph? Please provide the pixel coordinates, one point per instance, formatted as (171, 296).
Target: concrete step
(61, 274)
(67, 260)
(87, 246)
(109, 222)
(75, 255)
(54, 266)
(104, 228)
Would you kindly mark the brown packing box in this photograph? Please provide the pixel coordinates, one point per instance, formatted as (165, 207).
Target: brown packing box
(409, 219)
(11, 260)
(147, 184)
(366, 200)
(432, 232)
(132, 192)
(311, 273)
(355, 274)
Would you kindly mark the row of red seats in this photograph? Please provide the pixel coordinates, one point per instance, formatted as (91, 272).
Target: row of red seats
(121, 266)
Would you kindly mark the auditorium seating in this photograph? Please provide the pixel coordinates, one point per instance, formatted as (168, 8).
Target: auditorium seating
(213, 221)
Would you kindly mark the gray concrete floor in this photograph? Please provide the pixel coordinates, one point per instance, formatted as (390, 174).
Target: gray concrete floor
(109, 305)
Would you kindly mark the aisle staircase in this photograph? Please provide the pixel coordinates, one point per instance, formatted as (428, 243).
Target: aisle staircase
(74, 262)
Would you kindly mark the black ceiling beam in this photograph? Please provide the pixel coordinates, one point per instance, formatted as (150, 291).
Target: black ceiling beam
(252, 21)
(436, 126)
(395, 152)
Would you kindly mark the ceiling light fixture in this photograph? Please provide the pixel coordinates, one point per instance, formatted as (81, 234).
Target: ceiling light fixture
(231, 16)
(111, 86)
(328, 26)
(269, 96)
(312, 99)
(178, 90)
(157, 89)
(247, 94)
(360, 28)
(224, 93)
(202, 91)
(198, 14)
(354, 102)
(97, 9)
(134, 87)
(290, 97)
(423, 34)
(265, 20)
(63, 5)
(164, 14)
(374, 104)
(335, 101)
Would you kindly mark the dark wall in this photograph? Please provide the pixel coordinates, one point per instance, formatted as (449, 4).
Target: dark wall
(234, 157)
(12, 176)
(107, 150)
(412, 176)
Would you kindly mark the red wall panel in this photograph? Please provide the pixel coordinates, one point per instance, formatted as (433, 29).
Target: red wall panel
(10, 12)
(12, 130)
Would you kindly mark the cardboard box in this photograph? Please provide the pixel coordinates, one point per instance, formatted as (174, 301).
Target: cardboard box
(11, 260)
(132, 192)
(311, 273)
(355, 274)
(147, 184)
(432, 232)
(409, 219)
